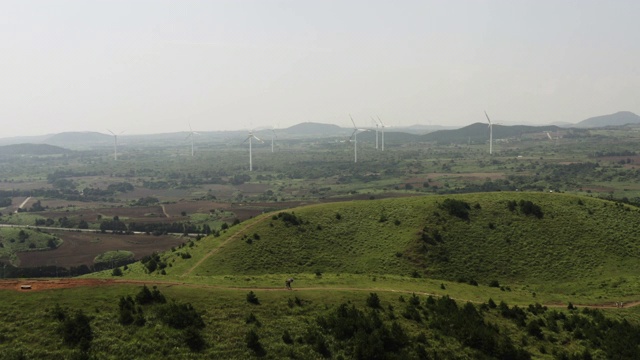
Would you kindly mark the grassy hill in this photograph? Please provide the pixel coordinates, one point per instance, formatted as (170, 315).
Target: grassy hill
(554, 242)
(475, 276)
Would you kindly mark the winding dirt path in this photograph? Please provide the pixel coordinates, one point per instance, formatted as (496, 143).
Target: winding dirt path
(30, 285)
(164, 211)
(232, 237)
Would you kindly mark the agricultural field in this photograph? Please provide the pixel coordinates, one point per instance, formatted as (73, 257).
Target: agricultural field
(164, 191)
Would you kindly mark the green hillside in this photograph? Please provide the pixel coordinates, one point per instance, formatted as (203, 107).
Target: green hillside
(562, 243)
(475, 276)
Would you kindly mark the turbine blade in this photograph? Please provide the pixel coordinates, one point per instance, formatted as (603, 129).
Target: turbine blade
(111, 132)
(353, 122)
(255, 137)
(489, 120)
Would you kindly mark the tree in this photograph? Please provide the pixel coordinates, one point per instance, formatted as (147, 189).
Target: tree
(252, 298)
(76, 331)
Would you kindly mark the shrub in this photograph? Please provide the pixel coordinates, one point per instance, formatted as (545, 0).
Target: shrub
(180, 316)
(194, 340)
(457, 208)
(252, 298)
(116, 272)
(286, 338)
(76, 330)
(373, 301)
(253, 342)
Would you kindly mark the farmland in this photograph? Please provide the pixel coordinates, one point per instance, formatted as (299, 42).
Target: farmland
(166, 192)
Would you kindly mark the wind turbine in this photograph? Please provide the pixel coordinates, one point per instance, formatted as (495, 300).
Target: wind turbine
(376, 123)
(115, 144)
(191, 133)
(490, 134)
(354, 135)
(273, 134)
(383, 126)
(251, 137)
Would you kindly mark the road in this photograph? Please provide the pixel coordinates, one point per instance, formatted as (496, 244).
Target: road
(51, 228)
(24, 203)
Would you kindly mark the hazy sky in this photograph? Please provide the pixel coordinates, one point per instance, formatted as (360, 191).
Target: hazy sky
(154, 66)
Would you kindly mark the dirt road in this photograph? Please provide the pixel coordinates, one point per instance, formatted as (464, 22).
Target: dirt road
(30, 285)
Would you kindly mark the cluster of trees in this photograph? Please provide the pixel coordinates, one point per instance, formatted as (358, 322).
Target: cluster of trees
(457, 208)
(176, 315)
(526, 207)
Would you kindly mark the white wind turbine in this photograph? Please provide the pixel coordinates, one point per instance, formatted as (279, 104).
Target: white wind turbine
(250, 138)
(354, 135)
(191, 133)
(376, 123)
(115, 143)
(383, 126)
(490, 134)
(273, 135)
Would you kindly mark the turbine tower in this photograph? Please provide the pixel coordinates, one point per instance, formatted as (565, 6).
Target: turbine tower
(273, 134)
(376, 123)
(383, 126)
(354, 135)
(191, 133)
(115, 144)
(490, 134)
(250, 138)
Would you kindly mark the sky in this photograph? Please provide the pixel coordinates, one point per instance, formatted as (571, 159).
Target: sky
(143, 67)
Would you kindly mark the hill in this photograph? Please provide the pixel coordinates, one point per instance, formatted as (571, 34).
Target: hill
(316, 129)
(617, 119)
(479, 132)
(511, 237)
(79, 139)
(32, 149)
(370, 282)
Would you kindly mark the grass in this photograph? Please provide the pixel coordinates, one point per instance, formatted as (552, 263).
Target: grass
(580, 246)
(113, 256)
(28, 327)
(12, 242)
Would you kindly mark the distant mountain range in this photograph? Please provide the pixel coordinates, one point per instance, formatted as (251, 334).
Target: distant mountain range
(479, 132)
(473, 132)
(617, 119)
(33, 149)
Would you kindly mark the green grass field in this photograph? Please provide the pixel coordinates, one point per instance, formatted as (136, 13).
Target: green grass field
(432, 262)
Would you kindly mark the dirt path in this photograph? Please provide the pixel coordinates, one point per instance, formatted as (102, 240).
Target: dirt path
(164, 211)
(232, 237)
(29, 285)
(23, 203)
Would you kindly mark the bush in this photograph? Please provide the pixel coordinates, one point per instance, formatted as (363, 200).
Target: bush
(76, 330)
(286, 338)
(457, 208)
(373, 301)
(180, 316)
(194, 340)
(253, 342)
(116, 272)
(252, 298)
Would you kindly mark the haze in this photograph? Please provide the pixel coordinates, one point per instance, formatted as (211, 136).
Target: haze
(155, 66)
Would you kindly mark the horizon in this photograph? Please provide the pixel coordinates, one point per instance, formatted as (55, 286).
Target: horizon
(145, 68)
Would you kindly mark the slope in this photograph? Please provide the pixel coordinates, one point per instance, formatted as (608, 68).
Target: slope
(555, 241)
(617, 119)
